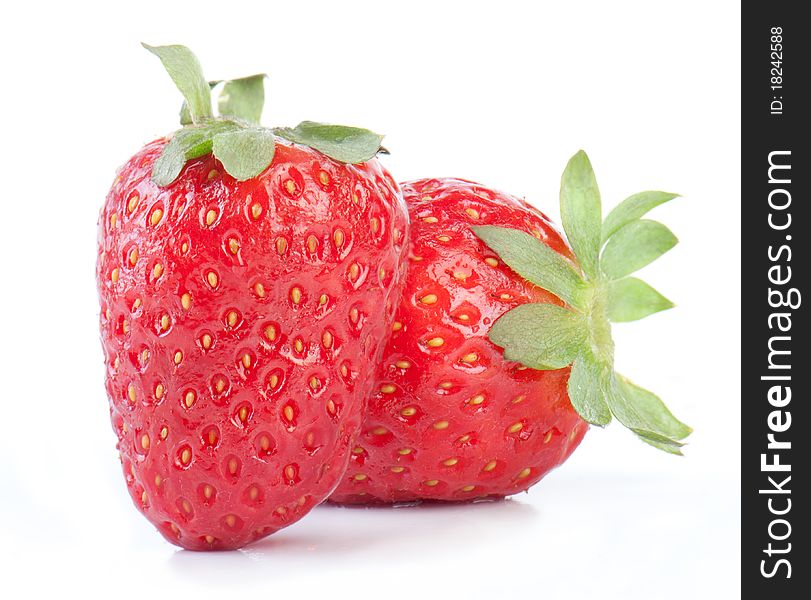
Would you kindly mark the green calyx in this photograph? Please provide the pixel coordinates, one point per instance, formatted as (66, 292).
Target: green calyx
(598, 293)
(235, 137)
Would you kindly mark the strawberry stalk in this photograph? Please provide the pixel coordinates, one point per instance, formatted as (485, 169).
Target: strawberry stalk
(597, 293)
(235, 137)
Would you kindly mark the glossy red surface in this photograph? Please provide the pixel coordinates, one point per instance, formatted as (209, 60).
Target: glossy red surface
(241, 324)
(450, 419)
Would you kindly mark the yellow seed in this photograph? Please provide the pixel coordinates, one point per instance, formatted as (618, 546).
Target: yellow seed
(331, 407)
(404, 451)
(165, 321)
(144, 356)
(444, 238)
(114, 275)
(298, 345)
(518, 399)
(470, 357)
(396, 326)
(374, 224)
(231, 318)
(187, 508)
(468, 488)
(326, 339)
(212, 279)
(338, 238)
(463, 439)
(281, 245)
(379, 431)
(270, 332)
(159, 391)
(185, 456)
(256, 210)
(314, 383)
(230, 520)
(288, 412)
(547, 437)
(450, 462)
(233, 245)
(430, 220)
(158, 480)
(208, 491)
(524, 473)
(460, 275)
(322, 299)
(476, 400)
(253, 493)
(259, 289)
(431, 482)
(344, 370)
(157, 270)
(415, 258)
(463, 317)
(505, 296)
(397, 469)
(472, 213)
(156, 216)
(133, 256)
(295, 295)
(185, 301)
(490, 466)
(429, 299)
(491, 261)
(220, 385)
(133, 203)
(206, 341)
(144, 497)
(354, 271)
(114, 220)
(212, 174)
(189, 399)
(264, 443)
(515, 427)
(388, 388)
(209, 539)
(246, 360)
(357, 450)
(131, 393)
(355, 198)
(290, 186)
(212, 437)
(354, 315)
(323, 177)
(359, 477)
(232, 466)
(441, 425)
(145, 442)
(290, 472)
(137, 304)
(243, 413)
(402, 364)
(211, 216)
(312, 244)
(445, 385)
(125, 326)
(164, 432)
(435, 342)
(184, 247)
(408, 411)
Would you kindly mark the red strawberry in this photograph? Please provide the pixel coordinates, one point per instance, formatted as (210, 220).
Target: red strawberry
(454, 416)
(242, 312)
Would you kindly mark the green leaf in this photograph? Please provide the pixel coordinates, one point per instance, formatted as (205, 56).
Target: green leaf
(245, 152)
(580, 211)
(185, 71)
(185, 117)
(186, 144)
(540, 336)
(344, 144)
(633, 208)
(535, 261)
(646, 415)
(630, 299)
(243, 98)
(588, 387)
(635, 245)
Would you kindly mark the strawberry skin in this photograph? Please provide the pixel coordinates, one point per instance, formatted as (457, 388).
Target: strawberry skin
(450, 419)
(241, 323)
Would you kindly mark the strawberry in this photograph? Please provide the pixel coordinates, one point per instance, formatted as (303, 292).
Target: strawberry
(246, 279)
(501, 353)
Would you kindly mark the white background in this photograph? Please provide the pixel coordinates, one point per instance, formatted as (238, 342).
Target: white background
(499, 92)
